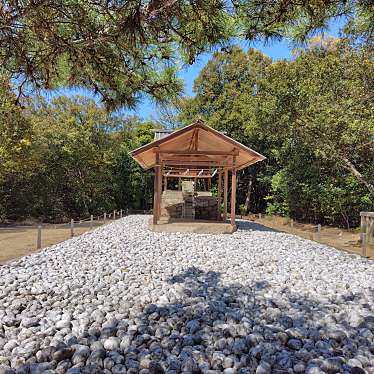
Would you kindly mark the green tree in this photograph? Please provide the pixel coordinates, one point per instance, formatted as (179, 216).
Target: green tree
(311, 116)
(125, 49)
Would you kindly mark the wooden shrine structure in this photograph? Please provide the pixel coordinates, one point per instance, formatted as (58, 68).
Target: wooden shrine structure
(196, 152)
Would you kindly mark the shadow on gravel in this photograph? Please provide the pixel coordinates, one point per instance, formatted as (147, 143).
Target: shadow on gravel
(207, 326)
(253, 226)
(244, 329)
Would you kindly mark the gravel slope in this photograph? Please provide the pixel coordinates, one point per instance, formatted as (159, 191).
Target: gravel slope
(124, 299)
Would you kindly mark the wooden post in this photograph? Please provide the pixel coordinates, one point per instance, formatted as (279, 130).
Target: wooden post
(39, 238)
(179, 184)
(156, 189)
(121, 213)
(363, 244)
(91, 222)
(155, 195)
(259, 215)
(209, 183)
(233, 191)
(233, 195)
(165, 183)
(114, 215)
(219, 195)
(291, 223)
(71, 228)
(159, 191)
(104, 217)
(319, 232)
(225, 185)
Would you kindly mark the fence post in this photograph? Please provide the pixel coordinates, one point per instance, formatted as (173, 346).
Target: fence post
(127, 211)
(39, 238)
(114, 215)
(291, 223)
(363, 244)
(259, 215)
(71, 228)
(319, 231)
(104, 217)
(91, 222)
(120, 213)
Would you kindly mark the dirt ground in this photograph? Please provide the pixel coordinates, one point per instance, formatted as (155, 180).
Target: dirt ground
(20, 241)
(335, 237)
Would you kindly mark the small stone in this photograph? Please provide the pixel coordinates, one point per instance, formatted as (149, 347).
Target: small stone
(6, 370)
(193, 326)
(119, 369)
(299, 368)
(353, 362)
(357, 370)
(63, 354)
(112, 343)
(263, 368)
(295, 344)
(63, 324)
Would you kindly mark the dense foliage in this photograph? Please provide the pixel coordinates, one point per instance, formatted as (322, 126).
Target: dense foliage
(312, 117)
(68, 158)
(125, 49)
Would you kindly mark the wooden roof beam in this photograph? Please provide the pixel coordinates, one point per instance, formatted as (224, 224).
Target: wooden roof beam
(235, 152)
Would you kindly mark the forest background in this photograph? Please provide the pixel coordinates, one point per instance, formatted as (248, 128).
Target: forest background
(312, 116)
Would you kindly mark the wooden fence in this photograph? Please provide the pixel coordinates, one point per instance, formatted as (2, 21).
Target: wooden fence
(92, 220)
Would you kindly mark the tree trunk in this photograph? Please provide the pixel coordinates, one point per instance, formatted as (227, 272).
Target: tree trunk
(248, 196)
(350, 167)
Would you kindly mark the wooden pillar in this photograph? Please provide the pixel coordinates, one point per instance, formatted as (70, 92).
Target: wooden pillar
(219, 195)
(157, 192)
(180, 184)
(155, 195)
(233, 192)
(225, 185)
(209, 183)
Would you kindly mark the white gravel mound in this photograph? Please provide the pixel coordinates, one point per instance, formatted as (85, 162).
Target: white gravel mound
(123, 299)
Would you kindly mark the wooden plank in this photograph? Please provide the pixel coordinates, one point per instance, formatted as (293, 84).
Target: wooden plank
(233, 193)
(219, 195)
(189, 176)
(200, 164)
(196, 152)
(225, 187)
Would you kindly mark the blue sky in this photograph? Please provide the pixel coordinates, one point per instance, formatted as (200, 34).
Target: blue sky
(276, 50)
(147, 110)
